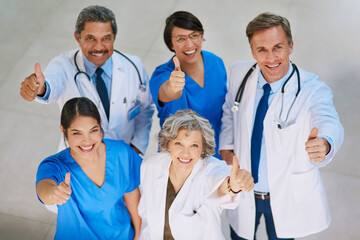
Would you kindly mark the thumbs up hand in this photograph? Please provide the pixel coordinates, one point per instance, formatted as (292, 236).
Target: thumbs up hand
(177, 78)
(240, 179)
(316, 147)
(33, 85)
(62, 192)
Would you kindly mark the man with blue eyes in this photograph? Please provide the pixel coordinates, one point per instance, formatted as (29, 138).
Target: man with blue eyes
(282, 126)
(116, 83)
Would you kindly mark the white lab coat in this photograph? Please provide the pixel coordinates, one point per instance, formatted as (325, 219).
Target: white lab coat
(195, 212)
(125, 85)
(298, 200)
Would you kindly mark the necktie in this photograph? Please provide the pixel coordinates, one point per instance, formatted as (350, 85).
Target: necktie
(257, 133)
(101, 88)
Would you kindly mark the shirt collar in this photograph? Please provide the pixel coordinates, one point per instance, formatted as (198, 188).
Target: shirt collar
(90, 68)
(275, 86)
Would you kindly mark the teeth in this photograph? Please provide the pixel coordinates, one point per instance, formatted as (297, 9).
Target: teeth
(190, 52)
(273, 66)
(86, 148)
(98, 54)
(184, 160)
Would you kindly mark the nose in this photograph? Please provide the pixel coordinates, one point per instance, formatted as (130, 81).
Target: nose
(86, 139)
(188, 42)
(186, 151)
(98, 45)
(270, 56)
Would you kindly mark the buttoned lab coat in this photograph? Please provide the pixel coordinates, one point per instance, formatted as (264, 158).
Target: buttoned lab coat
(298, 201)
(195, 212)
(124, 95)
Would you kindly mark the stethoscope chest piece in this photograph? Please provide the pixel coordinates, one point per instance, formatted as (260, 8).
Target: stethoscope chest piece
(235, 107)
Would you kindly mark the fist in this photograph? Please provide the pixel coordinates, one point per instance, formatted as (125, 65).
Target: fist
(62, 192)
(316, 147)
(33, 85)
(177, 78)
(240, 179)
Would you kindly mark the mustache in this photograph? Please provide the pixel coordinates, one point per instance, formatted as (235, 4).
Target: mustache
(99, 52)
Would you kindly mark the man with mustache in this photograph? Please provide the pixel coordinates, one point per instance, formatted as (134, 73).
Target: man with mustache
(116, 83)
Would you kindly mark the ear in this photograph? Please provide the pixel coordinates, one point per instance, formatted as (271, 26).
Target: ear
(291, 47)
(77, 37)
(62, 129)
(252, 52)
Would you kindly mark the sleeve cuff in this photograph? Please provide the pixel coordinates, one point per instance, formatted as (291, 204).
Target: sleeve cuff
(47, 93)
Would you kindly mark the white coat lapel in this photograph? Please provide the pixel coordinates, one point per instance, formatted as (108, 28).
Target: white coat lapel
(289, 95)
(180, 199)
(117, 84)
(158, 198)
(87, 89)
(247, 105)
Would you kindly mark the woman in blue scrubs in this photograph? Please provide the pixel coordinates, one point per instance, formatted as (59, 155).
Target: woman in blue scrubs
(193, 78)
(94, 182)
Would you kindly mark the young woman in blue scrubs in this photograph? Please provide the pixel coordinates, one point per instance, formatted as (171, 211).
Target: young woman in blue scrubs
(193, 78)
(94, 182)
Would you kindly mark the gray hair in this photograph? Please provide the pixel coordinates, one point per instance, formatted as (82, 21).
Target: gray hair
(190, 120)
(267, 20)
(95, 13)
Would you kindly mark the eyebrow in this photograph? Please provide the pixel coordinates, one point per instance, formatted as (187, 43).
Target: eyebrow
(76, 130)
(182, 35)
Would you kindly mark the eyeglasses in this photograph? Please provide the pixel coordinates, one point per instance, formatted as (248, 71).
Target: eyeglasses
(194, 37)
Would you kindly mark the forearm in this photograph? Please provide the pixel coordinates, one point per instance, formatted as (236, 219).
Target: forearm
(44, 189)
(224, 189)
(132, 201)
(227, 156)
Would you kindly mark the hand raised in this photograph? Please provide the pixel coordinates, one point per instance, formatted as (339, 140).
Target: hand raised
(316, 147)
(240, 179)
(62, 192)
(177, 78)
(33, 85)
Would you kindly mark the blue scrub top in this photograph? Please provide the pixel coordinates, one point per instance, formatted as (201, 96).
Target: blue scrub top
(206, 101)
(93, 212)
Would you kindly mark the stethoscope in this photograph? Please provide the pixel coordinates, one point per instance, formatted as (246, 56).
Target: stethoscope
(281, 124)
(142, 87)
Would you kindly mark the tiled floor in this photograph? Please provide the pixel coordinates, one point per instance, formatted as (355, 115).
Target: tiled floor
(326, 41)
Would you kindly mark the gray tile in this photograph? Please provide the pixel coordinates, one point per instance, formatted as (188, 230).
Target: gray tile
(325, 42)
(14, 228)
(24, 143)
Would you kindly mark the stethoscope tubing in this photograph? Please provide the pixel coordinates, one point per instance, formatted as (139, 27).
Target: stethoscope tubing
(240, 91)
(141, 85)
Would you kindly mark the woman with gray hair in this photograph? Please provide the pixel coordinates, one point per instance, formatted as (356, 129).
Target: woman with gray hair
(183, 188)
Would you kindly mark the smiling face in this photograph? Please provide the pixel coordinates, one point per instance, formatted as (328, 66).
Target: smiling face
(96, 42)
(271, 51)
(84, 136)
(185, 150)
(189, 51)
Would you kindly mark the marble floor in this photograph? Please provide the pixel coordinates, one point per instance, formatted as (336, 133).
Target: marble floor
(326, 41)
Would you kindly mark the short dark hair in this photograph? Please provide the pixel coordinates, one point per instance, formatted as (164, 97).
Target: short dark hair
(80, 106)
(95, 13)
(268, 20)
(181, 19)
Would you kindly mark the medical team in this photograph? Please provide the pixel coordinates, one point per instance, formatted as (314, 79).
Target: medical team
(285, 127)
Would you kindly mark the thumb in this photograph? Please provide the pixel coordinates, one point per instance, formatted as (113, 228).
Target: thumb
(38, 73)
(67, 179)
(176, 63)
(235, 166)
(313, 133)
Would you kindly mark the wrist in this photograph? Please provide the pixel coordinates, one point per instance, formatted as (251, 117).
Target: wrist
(230, 189)
(42, 90)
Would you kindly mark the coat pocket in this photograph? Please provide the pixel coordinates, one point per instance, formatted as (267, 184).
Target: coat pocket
(304, 184)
